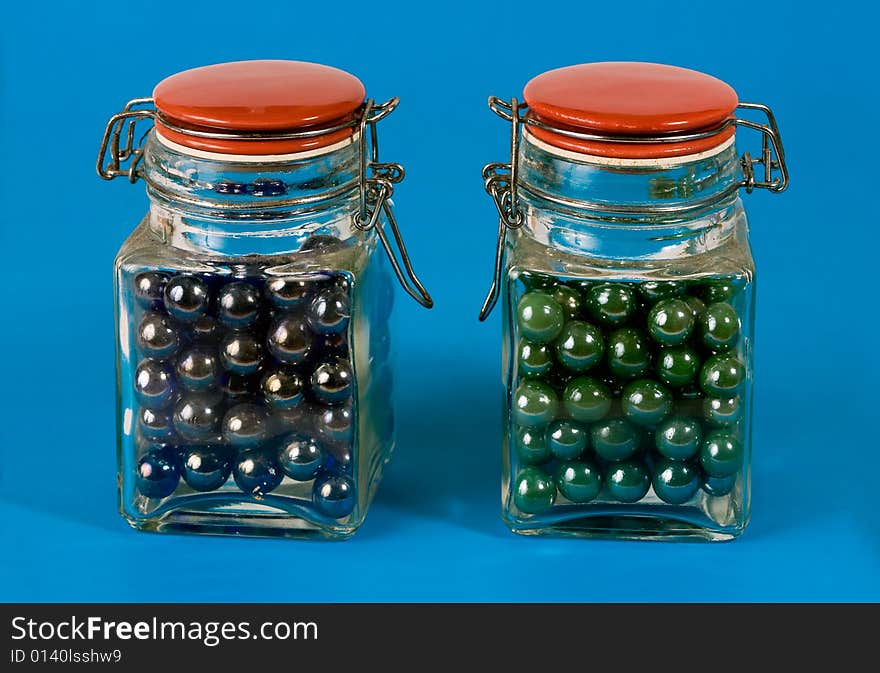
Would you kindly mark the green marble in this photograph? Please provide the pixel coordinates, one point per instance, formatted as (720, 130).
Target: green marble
(722, 411)
(569, 299)
(566, 440)
(533, 490)
(721, 454)
(696, 305)
(673, 417)
(579, 481)
(719, 486)
(722, 375)
(719, 326)
(675, 481)
(629, 353)
(534, 403)
(532, 447)
(721, 289)
(628, 481)
(534, 359)
(646, 402)
(611, 304)
(536, 281)
(655, 290)
(580, 346)
(671, 322)
(584, 286)
(586, 399)
(615, 439)
(540, 317)
(677, 367)
(678, 437)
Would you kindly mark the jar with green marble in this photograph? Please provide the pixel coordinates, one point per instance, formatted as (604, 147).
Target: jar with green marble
(626, 281)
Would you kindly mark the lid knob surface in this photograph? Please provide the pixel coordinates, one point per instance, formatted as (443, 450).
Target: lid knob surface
(271, 97)
(630, 99)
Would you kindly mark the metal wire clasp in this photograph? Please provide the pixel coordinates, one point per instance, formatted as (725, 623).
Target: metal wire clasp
(772, 156)
(377, 186)
(500, 182)
(500, 179)
(118, 157)
(124, 160)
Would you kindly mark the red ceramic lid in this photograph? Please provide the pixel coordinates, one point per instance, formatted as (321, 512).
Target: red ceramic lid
(262, 96)
(630, 99)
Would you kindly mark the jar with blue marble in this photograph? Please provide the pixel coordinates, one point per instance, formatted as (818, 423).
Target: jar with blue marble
(627, 289)
(253, 302)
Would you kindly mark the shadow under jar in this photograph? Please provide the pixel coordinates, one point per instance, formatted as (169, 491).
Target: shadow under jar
(627, 286)
(253, 303)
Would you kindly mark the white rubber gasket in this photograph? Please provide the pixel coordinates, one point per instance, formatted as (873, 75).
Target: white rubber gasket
(658, 162)
(256, 158)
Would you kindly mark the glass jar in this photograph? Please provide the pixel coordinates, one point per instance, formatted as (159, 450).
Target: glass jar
(628, 289)
(252, 304)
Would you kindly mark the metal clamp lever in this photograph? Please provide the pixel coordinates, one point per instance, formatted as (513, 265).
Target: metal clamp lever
(378, 194)
(377, 186)
(126, 120)
(772, 153)
(500, 182)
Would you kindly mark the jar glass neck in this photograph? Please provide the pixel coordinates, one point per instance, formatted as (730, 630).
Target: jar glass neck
(625, 208)
(234, 205)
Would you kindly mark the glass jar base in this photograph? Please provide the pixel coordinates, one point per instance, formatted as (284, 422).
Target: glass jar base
(625, 527)
(243, 525)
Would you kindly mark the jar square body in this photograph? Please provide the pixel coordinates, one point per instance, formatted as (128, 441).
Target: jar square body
(254, 359)
(628, 311)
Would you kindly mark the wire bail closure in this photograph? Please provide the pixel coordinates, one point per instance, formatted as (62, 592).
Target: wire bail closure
(130, 153)
(377, 186)
(500, 179)
(500, 182)
(121, 156)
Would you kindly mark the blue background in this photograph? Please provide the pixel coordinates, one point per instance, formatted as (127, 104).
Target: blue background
(434, 532)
